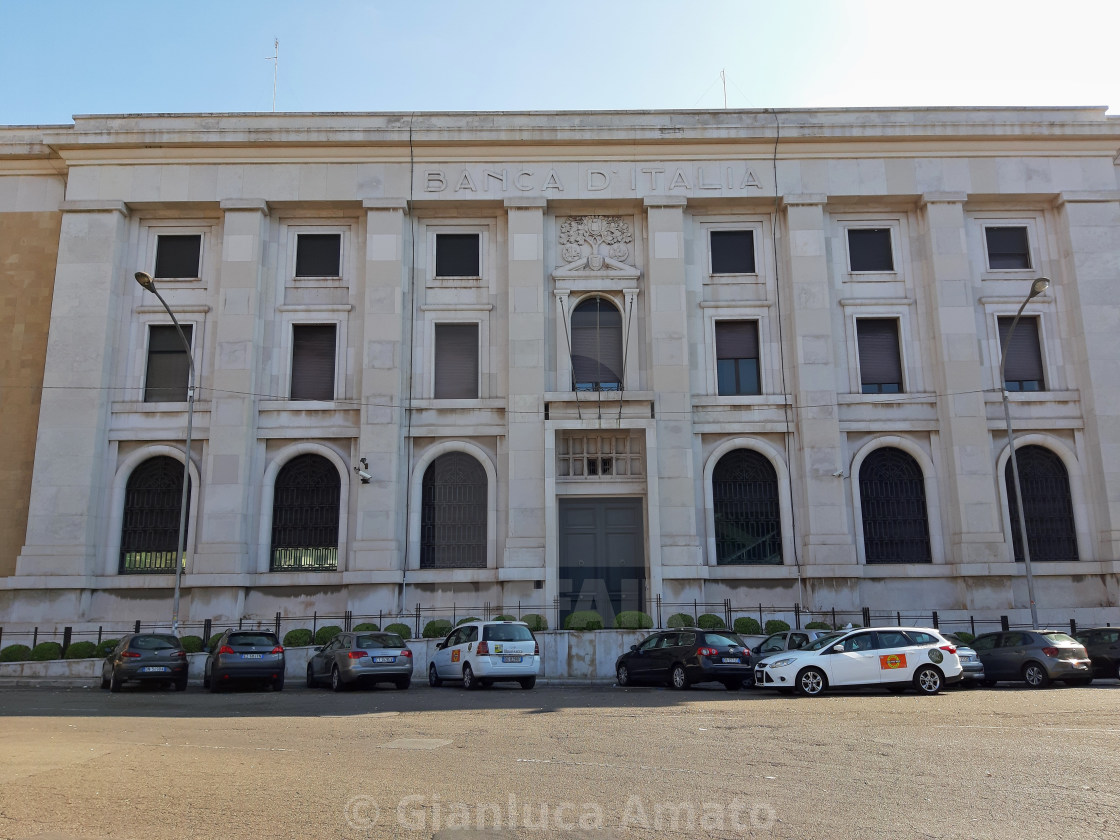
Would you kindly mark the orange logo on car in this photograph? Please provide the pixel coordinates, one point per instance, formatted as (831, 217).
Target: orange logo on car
(455, 655)
(892, 661)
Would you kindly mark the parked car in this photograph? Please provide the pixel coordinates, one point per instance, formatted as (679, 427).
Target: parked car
(361, 658)
(1103, 646)
(1036, 657)
(145, 657)
(486, 652)
(973, 673)
(896, 658)
(245, 655)
(686, 656)
(790, 640)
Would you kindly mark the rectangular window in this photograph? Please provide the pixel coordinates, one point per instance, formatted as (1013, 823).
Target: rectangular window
(1008, 248)
(880, 363)
(869, 249)
(456, 373)
(169, 367)
(732, 251)
(737, 357)
(319, 255)
(178, 255)
(1023, 369)
(313, 356)
(457, 255)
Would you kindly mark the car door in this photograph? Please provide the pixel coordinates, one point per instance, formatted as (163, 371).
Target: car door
(662, 654)
(987, 651)
(772, 645)
(857, 663)
(1013, 654)
(1107, 658)
(442, 658)
(326, 657)
(468, 639)
(899, 656)
(639, 661)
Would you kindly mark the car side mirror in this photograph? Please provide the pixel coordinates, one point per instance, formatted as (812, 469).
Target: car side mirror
(319, 649)
(838, 648)
(441, 646)
(633, 647)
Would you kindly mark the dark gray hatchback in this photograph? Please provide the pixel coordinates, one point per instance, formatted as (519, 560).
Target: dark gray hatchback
(145, 657)
(1036, 657)
(243, 656)
(687, 656)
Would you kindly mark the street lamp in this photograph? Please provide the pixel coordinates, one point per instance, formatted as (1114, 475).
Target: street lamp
(146, 281)
(1037, 287)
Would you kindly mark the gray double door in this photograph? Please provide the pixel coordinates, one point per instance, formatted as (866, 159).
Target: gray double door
(602, 563)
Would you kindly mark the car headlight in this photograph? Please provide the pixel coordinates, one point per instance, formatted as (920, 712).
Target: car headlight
(781, 663)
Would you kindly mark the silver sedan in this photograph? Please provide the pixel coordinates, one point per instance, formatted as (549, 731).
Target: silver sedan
(361, 658)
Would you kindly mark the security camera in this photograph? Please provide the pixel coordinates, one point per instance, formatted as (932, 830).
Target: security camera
(363, 475)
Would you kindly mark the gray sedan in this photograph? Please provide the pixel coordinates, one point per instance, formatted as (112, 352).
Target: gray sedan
(361, 658)
(145, 657)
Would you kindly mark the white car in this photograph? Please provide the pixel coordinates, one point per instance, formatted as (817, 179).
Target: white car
(896, 658)
(486, 652)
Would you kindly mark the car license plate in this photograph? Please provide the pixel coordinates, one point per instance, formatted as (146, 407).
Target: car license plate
(968, 659)
(732, 659)
(251, 655)
(511, 659)
(154, 669)
(384, 659)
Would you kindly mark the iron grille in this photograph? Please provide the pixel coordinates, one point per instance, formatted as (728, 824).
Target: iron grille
(150, 530)
(453, 515)
(305, 516)
(748, 518)
(893, 497)
(1047, 505)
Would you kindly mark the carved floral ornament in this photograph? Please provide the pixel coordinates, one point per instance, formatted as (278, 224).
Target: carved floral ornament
(587, 237)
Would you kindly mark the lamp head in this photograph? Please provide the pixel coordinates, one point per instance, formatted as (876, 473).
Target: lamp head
(1039, 286)
(145, 280)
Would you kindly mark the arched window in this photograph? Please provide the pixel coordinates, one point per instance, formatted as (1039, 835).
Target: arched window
(893, 497)
(596, 346)
(453, 514)
(150, 527)
(305, 510)
(1047, 505)
(748, 521)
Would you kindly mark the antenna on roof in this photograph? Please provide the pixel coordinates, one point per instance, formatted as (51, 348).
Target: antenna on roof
(275, 59)
(723, 78)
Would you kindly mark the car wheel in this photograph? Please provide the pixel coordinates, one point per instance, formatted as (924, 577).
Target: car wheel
(1035, 675)
(310, 676)
(678, 679)
(622, 675)
(403, 684)
(469, 682)
(433, 678)
(811, 682)
(115, 683)
(278, 683)
(180, 684)
(527, 682)
(928, 680)
(336, 680)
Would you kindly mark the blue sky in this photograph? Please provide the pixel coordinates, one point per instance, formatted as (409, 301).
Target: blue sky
(64, 57)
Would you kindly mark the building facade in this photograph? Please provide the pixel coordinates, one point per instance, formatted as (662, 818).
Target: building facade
(584, 359)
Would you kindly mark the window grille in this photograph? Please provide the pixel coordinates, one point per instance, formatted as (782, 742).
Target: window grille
(599, 456)
(169, 368)
(150, 528)
(1047, 505)
(893, 499)
(453, 514)
(596, 346)
(747, 514)
(305, 516)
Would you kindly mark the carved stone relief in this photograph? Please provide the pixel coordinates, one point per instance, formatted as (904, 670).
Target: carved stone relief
(591, 241)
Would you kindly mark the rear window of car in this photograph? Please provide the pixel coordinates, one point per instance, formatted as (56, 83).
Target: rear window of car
(155, 643)
(252, 639)
(723, 640)
(506, 633)
(1060, 638)
(921, 638)
(381, 640)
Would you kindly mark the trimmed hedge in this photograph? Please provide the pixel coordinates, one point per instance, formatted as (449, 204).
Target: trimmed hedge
(192, 644)
(818, 625)
(468, 618)
(15, 653)
(402, 630)
(681, 620)
(105, 647)
(775, 625)
(213, 641)
(367, 627)
(748, 626)
(46, 651)
(537, 623)
(324, 634)
(437, 628)
(965, 637)
(710, 621)
(81, 650)
(583, 620)
(505, 618)
(632, 620)
(300, 637)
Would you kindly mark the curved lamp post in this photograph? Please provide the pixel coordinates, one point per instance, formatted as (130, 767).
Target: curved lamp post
(1037, 287)
(145, 280)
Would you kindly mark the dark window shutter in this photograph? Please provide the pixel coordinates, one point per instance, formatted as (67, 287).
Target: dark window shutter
(597, 346)
(313, 355)
(178, 256)
(737, 340)
(732, 252)
(879, 360)
(457, 255)
(456, 374)
(169, 369)
(1008, 247)
(318, 255)
(1024, 356)
(869, 249)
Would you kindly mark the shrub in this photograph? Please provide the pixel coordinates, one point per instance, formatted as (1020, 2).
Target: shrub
(366, 627)
(402, 630)
(505, 618)
(45, 651)
(681, 620)
(213, 641)
(324, 634)
(192, 644)
(748, 626)
(15, 653)
(632, 620)
(300, 637)
(818, 625)
(437, 628)
(465, 620)
(536, 622)
(710, 621)
(584, 620)
(105, 647)
(965, 637)
(775, 625)
(81, 650)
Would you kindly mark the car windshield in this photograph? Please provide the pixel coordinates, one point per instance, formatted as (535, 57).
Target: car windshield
(823, 641)
(506, 633)
(724, 640)
(155, 643)
(252, 639)
(1060, 638)
(381, 640)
